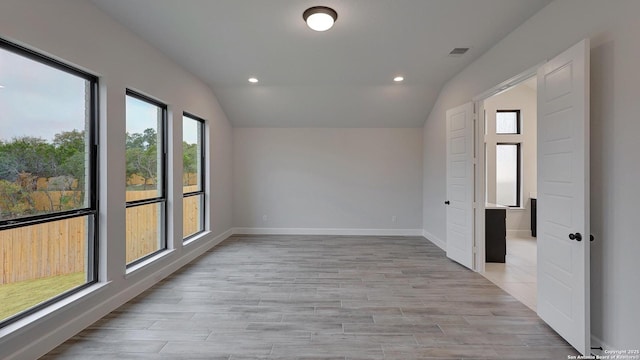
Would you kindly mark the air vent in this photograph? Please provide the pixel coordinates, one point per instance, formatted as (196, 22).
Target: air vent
(458, 51)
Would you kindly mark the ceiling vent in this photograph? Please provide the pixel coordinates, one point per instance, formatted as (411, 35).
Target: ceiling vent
(458, 52)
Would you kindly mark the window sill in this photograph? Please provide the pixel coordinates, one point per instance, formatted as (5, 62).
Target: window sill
(196, 237)
(133, 269)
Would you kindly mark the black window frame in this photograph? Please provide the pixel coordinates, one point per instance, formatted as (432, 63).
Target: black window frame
(200, 192)
(91, 211)
(518, 122)
(518, 172)
(162, 199)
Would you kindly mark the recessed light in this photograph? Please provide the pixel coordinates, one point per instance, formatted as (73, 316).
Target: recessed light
(398, 79)
(320, 18)
(1, 86)
(253, 80)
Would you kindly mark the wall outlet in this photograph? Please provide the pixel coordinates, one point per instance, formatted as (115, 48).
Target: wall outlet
(394, 219)
(265, 218)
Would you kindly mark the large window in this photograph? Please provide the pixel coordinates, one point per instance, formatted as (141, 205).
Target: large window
(48, 206)
(146, 177)
(508, 174)
(193, 156)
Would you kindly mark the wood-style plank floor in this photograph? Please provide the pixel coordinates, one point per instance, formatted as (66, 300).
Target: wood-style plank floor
(320, 297)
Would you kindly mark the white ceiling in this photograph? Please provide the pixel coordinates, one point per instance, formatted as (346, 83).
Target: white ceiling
(339, 78)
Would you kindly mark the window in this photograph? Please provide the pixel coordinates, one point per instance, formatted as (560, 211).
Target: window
(146, 177)
(193, 157)
(48, 205)
(508, 122)
(508, 174)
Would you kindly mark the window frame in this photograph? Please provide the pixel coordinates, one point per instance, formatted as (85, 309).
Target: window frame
(518, 121)
(518, 172)
(162, 199)
(201, 192)
(91, 210)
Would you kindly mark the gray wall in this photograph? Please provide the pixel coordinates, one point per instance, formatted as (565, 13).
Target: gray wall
(78, 33)
(614, 30)
(327, 178)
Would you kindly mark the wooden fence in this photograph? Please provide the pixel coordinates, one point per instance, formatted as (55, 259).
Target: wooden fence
(43, 250)
(58, 248)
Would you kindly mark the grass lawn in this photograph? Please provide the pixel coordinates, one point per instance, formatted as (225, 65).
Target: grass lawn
(17, 297)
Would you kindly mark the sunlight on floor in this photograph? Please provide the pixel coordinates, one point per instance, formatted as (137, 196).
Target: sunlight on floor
(517, 275)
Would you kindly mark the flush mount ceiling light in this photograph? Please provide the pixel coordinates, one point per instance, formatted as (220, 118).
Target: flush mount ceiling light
(320, 18)
(398, 79)
(253, 80)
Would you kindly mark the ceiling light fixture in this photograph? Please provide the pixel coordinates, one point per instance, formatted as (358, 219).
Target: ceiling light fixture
(253, 80)
(320, 18)
(398, 78)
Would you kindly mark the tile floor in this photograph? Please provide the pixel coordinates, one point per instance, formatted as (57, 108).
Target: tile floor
(322, 298)
(517, 276)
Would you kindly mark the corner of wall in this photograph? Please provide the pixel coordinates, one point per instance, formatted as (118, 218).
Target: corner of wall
(435, 240)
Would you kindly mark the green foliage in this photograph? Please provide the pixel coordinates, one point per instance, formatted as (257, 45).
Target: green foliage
(24, 160)
(27, 155)
(189, 158)
(142, 156)
(70, 154)
(142, 141)
(14, 200)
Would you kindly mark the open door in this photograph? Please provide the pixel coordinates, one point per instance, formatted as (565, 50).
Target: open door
(460, 184)
(563, 195)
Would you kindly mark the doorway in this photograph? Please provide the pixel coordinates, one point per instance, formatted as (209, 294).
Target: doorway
(562, 216)
(510, 149)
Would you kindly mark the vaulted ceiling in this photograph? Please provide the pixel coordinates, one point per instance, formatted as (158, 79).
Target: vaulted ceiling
(339, 78)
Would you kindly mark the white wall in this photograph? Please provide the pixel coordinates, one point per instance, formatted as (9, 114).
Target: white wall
(79, 34)
(327, 178)
(523, 98)
(614, 31)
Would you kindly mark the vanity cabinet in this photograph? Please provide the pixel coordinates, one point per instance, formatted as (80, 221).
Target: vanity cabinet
(495, 234)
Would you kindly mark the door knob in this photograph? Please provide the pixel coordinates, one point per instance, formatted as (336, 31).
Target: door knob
(447, 202)
(576, 237)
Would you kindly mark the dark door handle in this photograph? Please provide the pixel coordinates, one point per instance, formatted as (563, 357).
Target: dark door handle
(447, 202)
(576, 237)
(591, 237)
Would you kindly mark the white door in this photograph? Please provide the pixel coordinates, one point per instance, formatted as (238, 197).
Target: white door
(563, 195)
(460, 178)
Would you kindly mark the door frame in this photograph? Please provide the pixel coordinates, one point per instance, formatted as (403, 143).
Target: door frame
(480, 177)
(480, 169)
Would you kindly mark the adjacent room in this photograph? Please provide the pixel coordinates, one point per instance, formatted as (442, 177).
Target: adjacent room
(511, 178)
(285, 179)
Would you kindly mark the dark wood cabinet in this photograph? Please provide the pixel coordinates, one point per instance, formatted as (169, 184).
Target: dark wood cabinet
(495, 234)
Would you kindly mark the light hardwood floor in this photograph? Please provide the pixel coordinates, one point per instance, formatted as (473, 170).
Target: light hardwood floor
(517, 275)
(320, 297)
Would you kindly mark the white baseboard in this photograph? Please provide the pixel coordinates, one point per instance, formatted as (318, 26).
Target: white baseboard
(325, 231)
(434, 239)
(518, 233)
(80, 320)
